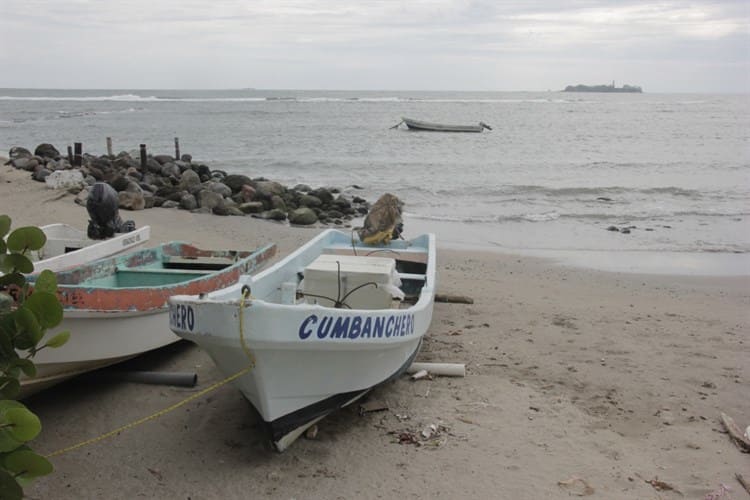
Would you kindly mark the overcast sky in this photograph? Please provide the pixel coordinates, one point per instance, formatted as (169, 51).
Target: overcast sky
(672, 46)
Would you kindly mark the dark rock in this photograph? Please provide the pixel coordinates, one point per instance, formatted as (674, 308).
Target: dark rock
(342, 203)
(303, 216)
(362, 210)
(251, 207)
(120, 183)
(186, 158)
(47, 151)
(323, 194)
(613, 228)
(220, 210)
(625, 230)
(203, 172)
(221, 188)
(163, 159)
(355, 186)
(335, 214)
(125, 162)
(149, 198)
(182, 165)
(236, 181)
(17, 152)
(308, 200)
(302, 188)
(235, 211)
(153, 166)
(266, 189)
(278, 202)
(357, 199)
(188, 180)
(170, 170)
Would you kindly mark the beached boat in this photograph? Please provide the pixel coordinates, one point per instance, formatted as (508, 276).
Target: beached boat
(68, 246)
(116, 308)
(317, 330)
(440, 127)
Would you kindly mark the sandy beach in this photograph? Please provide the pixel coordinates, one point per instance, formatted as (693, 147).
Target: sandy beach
(617, 379)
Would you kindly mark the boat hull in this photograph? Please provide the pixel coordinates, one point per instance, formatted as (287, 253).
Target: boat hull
(114, 322)
(303, 361)
(439, 127)
(68, 247)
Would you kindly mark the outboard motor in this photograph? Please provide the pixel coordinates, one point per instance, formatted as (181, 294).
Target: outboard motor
(103, 208)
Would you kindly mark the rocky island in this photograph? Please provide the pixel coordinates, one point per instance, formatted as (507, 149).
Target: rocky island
(603, 88)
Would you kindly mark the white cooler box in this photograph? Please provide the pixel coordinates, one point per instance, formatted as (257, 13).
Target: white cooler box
(322, 274)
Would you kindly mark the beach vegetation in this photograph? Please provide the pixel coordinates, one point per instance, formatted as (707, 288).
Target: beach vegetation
(25, 316)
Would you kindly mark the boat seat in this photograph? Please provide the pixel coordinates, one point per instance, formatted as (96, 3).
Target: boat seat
(208, 263)
(164, 271)
(412, 277)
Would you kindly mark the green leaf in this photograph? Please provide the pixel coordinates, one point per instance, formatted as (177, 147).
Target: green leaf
(25, 464)
(18, 263)
(10, 386)
(28, 331)
(26, 365)
(23, 424)
(9, 487)
(46, 282)
(4, 225)
(46, 307)
(26, 238)
(58, 340)
(7, 404)
(3, 246)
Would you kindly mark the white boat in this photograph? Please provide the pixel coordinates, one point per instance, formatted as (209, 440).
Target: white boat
(68, 246)
(441, 127)
(116, 308)
(317, 330)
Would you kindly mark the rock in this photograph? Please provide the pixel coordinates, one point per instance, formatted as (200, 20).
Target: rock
(40, 174)
(182, 165)
(133, 187)
(163, 159)
(186, 158)
(323, 194)
(271, 214)
(303, 216)
(308, 200)
(81, 197)
(47, 151)
(251, 207)
(302, 188)
(17, 152)
(188, 202)
(119, 183)
(247, 192)
(170, 204)
(149, 199)
(209, 199)
(613, 228)
(130, 200)
(335, 214)
(278, 202)
(266, 189)
(203, 172)
(188, 180)
(63, 179)
(24, 163)
(170, 170)
(153, 166)
(221, 188)
(625, 230)
(342, 203)
(234, 211)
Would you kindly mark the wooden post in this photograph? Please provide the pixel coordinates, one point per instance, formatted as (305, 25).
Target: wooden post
(109, 146)
(143, 157)
(176, 148)
(78, 152)
(70, 155)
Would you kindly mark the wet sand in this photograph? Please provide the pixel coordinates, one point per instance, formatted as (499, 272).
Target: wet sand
(614, 378)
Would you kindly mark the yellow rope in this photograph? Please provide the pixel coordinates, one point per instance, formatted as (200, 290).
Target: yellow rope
(185, 401)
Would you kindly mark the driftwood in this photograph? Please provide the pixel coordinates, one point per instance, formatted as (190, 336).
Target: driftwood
(453, 299)
(742, 481)
(442, 369)
(742, 442)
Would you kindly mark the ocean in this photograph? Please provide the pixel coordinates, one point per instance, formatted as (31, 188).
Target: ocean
(557, 171)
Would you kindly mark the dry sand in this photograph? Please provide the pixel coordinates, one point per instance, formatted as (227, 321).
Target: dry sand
(617, 379)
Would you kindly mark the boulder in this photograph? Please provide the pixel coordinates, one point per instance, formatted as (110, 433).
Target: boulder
(153, 166)
(170, 170)
(170, 204)
(303, 216)
(40, 174)
(186, 158)
(266, 189)
(247, 192)
(271, 215)
(130, 200)
(308, 200)
(323, 194)
(163, 159)
(278, 202)
(17, 152)
(47, 151)
(63, 179)
(251, 207)
(221, 188)
(302, 188)
(236, 181)
(188, 180)
(188, 202)
(120, 183)
(209, 199)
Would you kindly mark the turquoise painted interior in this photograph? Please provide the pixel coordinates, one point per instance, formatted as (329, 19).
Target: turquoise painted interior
(141, 278)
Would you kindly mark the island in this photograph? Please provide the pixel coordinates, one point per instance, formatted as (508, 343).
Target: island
(603, 88)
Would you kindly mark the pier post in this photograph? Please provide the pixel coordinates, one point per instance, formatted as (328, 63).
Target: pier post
(78, 152)
(176, 148)
(70, 156)
(143, 157)
(109, 147)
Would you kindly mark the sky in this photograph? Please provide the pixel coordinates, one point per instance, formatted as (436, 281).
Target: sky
(536, 45)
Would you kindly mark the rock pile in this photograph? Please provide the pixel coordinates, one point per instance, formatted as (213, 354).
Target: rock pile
(180, 183)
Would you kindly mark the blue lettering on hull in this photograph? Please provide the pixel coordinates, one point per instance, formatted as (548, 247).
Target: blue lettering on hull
(356, 327)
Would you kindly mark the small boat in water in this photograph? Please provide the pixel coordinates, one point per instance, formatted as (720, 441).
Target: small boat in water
(116, 308)
(317, 330)
(440, 127)
(68, 246)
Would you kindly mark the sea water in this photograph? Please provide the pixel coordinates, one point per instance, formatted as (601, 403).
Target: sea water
(555, 175)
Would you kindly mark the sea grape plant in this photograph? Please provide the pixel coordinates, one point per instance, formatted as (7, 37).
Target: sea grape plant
(25, 316)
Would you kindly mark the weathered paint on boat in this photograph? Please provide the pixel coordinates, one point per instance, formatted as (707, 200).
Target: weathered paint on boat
(109, 324)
